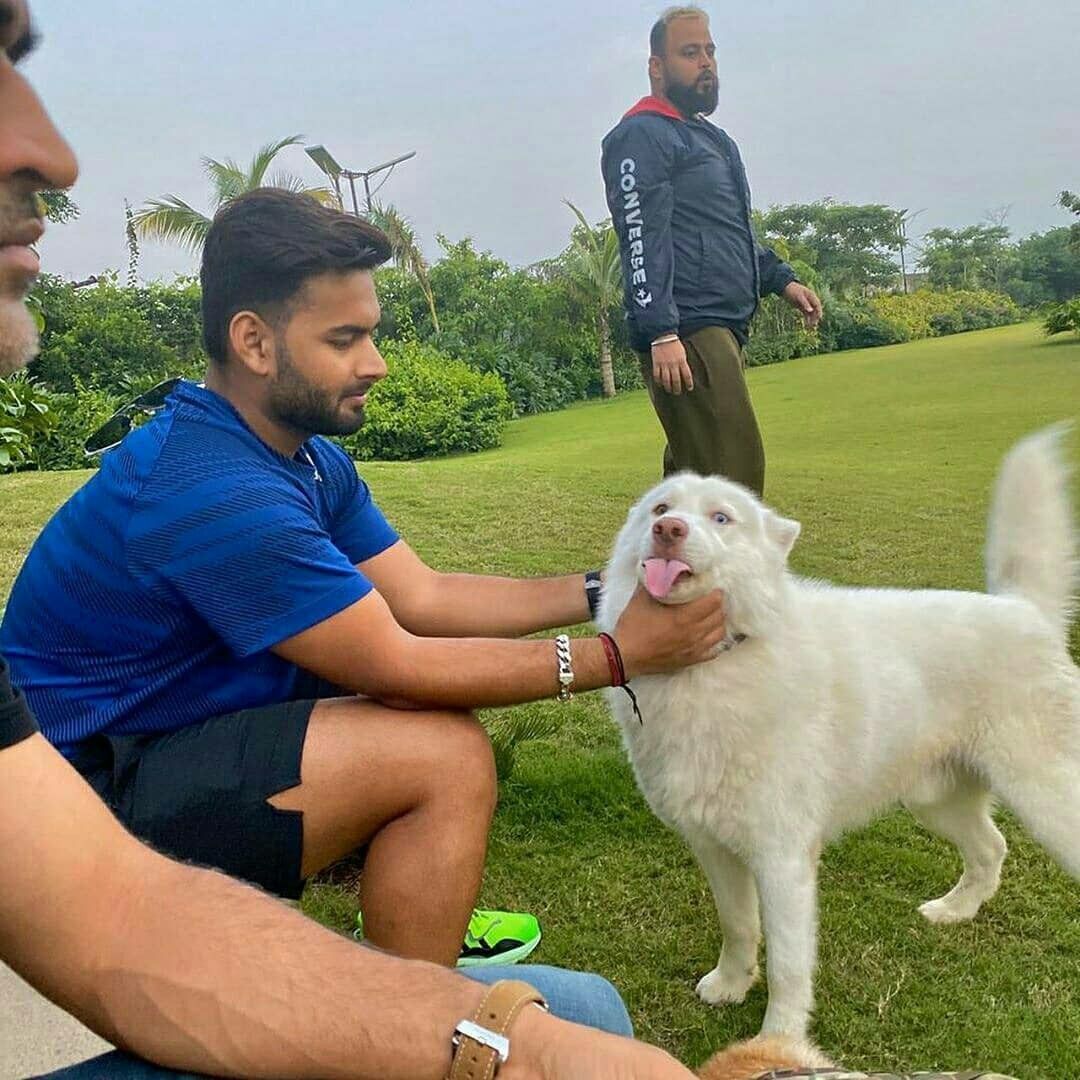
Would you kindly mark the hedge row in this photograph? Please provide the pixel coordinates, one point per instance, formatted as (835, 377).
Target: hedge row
(431, 406)
(888, 319)
(510, 342)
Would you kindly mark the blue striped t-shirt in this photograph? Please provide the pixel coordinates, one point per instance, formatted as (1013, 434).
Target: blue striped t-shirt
(152, 598)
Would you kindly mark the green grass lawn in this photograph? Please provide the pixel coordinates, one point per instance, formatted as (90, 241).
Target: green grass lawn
(887, 457)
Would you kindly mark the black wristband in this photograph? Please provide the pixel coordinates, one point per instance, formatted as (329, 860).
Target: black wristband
(593, 585)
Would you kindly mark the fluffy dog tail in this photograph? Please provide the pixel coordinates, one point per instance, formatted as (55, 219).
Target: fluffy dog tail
(1031, 542)
(755, 1058)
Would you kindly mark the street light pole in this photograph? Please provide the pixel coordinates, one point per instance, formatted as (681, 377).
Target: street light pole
(326, 163)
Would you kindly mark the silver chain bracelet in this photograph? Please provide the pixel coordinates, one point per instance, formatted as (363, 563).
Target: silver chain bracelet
(566, 670)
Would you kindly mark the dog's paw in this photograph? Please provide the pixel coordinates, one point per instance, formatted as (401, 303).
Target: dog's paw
(943, 911)
(720, 988)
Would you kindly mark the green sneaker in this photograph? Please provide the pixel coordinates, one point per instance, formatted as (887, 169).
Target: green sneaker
(498, 937)
(492, 937)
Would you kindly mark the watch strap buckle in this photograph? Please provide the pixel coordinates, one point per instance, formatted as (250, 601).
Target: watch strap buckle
(481, 1043)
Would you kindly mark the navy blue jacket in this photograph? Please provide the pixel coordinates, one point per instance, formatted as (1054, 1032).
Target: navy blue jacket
(680, 203)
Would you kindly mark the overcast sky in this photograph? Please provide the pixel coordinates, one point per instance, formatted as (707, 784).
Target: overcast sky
(956, 106)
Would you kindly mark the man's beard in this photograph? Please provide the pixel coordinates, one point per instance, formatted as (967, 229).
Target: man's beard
(303, 407)
(18, 335)
(698, 98)
(18, 332)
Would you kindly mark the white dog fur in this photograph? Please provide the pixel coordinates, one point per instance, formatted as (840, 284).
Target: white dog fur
(842, 701)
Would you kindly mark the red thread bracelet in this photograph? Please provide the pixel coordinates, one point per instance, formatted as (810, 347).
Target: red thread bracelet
(618, 672)
(614, 659)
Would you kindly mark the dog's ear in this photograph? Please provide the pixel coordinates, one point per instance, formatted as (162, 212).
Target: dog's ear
(783, 532)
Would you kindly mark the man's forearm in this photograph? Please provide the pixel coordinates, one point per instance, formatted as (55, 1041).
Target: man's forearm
(189, 968)
(774, 275)
(469, 605)
(364, 649)
(476, 673)
(215, 977)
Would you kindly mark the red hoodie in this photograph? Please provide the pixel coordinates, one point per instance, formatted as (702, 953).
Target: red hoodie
(653, 104)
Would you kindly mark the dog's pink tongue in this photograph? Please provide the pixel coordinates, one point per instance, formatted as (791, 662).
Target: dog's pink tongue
(661, 575)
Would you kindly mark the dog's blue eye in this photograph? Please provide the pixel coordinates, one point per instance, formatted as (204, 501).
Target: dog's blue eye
(720, 517)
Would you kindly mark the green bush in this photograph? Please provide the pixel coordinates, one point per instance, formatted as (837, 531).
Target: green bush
(429, 405)
(26, 415)
(857, 325)
(40, 429)
(524, 325)
(100, 337)
(174, 311)
(946, 322)
(627, 369)
(891, 319)
(778, 333)
(1062, 318)
(78, 415)
(536, 382)
(773, 348)
(54, 299)
(934, 313)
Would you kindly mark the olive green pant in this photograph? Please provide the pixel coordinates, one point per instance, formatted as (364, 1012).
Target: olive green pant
(712, 429)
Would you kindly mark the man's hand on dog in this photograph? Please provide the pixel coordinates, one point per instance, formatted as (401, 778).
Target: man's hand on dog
(656, 637)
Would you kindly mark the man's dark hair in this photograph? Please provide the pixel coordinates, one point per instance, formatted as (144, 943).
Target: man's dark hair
(263, 246)
(658, 33)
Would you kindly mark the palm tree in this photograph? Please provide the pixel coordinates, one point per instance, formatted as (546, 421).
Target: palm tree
(406, 251)
(594, 270)
(170, 218)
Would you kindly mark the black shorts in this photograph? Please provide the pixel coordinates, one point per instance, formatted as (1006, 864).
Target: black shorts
(199, 794)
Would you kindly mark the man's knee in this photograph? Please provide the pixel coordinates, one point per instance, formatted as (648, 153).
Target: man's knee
(421, 753)
(463, 763)
(601, 1006)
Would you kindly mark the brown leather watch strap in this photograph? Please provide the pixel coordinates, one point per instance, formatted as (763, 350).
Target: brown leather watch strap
(496, 1012)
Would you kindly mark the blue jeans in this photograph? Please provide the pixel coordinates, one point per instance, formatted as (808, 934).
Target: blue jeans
(573, 995)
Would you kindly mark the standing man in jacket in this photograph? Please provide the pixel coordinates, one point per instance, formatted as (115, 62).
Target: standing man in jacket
(693, 270)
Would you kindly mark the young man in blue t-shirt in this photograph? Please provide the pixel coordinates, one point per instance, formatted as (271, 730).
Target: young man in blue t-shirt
(220, 629)
(185, 966)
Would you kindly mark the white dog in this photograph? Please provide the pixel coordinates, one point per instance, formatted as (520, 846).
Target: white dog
(829, 704)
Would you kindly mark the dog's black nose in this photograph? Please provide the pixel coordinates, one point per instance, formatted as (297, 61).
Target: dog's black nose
(670, 530)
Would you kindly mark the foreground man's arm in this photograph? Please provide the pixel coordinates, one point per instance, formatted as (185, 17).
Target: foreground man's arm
(195, 971)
